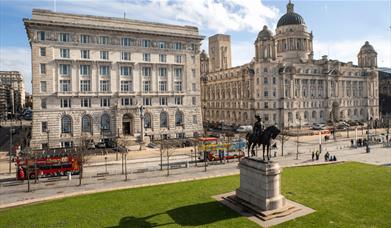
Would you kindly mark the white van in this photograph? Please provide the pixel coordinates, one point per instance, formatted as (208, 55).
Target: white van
(247, 128)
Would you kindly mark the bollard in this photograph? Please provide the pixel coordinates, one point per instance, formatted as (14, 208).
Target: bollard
(69, 176)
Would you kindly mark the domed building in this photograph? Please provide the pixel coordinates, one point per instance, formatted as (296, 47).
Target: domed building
(285, 84)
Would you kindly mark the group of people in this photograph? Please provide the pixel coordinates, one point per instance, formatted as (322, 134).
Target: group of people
(328, 157)
(315, 155)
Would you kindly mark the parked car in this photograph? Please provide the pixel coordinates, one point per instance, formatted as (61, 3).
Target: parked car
(90, 146)
(100, 145)
(110, 143)
(343, 123)
(152, 145)
(343, 126)
(247, 128)
(317, 126)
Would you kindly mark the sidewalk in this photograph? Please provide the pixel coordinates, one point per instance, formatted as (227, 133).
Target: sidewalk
(48, 190)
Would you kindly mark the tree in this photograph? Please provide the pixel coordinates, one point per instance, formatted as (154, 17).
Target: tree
(283, 137)
(82, 155)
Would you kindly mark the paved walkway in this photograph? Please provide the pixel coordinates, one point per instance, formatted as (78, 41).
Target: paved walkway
(47, 189)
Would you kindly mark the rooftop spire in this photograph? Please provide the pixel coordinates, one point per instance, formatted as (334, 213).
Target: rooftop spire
(289, 7)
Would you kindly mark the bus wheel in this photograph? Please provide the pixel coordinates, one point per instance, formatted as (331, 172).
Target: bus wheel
(32, 176)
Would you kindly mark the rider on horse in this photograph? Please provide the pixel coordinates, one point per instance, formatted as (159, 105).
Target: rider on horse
(258, 127)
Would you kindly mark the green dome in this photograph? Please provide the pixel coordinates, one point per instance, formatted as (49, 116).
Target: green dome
(290, 18)
(264, 34)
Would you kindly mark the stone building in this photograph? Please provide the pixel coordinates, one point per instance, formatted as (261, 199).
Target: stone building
(286, 85)
(91, 75)
(12, 93)
(385, 94)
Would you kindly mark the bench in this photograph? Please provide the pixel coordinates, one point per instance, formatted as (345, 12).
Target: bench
(176, 165)
(102, 174)
(140, 171)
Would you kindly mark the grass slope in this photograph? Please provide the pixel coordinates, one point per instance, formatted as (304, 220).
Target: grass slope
(344, 195)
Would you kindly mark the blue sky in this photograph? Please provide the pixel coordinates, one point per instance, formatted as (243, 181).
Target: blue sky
(340, 28)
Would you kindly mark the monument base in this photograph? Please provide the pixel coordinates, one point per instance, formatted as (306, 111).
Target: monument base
(259, 197)
(290, 211)
(260, 184)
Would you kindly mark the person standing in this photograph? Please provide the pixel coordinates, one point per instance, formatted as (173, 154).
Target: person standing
(313, 155)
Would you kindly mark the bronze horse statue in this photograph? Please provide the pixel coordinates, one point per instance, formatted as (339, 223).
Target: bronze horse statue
(265, 139)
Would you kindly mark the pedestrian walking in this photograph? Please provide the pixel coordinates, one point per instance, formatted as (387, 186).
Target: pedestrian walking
(313, 155)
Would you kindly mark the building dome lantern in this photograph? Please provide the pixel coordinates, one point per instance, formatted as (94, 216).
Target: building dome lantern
(367, 57)
(367, 48)
(265, 49)
(290, 18)
(265, 34)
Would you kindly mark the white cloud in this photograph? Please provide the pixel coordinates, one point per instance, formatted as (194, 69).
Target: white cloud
(214, 15)
(17, 59)
(347, 50)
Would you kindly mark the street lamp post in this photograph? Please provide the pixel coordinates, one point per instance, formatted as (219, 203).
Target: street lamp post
(367, 146)
(388, 130)
(297, 140)
(10, 149)
(320, 142)
(48, 132)
(141, 110)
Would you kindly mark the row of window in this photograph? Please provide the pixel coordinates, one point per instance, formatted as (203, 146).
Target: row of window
(125, 101)
(125, 56)
(104, 70)
(105, 123)
(125, 86)
(125, 41)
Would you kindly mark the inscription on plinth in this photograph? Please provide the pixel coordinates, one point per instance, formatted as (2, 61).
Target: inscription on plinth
(260, 184)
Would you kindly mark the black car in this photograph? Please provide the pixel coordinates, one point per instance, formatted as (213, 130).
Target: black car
(100, 145)
(111, 143)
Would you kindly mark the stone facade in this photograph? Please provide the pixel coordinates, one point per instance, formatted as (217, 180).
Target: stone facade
(287, 86)
(91, 75)
(12, 93)
(385, 94)
(220, 52)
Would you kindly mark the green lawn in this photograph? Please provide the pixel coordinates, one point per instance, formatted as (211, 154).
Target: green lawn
(343, 195)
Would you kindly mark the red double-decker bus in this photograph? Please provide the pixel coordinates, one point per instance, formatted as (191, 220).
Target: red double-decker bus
(47, 163)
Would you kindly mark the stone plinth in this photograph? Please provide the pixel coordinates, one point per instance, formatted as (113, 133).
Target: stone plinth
(260, 184)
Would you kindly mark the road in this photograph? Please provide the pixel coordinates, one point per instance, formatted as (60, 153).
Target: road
(105, 171)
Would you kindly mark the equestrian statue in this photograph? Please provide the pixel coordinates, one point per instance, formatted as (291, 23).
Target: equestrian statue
(259, 136)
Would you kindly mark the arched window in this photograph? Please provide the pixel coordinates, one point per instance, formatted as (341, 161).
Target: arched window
(313, 115)
(163, 119)
(86, 125)
(147, 120)
(66, 124)
(305, 115)
(290, 117)
(178, 119)
(105, 122)
(321, 114)
(297, 115)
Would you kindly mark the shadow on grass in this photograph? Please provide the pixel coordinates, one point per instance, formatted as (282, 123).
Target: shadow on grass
(201, 214)
(131, 221)
(191, 215)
